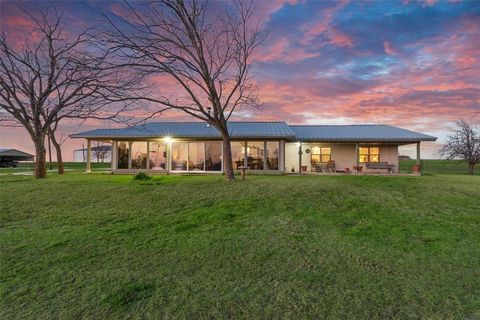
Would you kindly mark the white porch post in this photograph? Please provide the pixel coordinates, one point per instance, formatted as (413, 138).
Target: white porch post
(168, 164)
(148, 155)
(300, 153)
(357, 147)
(89, 156)
(265, 155)
(245, 155)
(418, 153)
(281, 162)
(114, 157)
(130, 143)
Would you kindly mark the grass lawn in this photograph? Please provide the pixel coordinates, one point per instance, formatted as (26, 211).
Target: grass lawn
(104, 246)
(438, 166)
(76, 166)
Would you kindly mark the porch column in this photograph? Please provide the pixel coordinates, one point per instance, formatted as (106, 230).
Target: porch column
(281, 160)
(264, 155)
(130, 143)
(168, 146)
(300, 152)
(114, 156)
(148, 155)
(245, 156)
(357, 147)
(418, 153)
(89, 156)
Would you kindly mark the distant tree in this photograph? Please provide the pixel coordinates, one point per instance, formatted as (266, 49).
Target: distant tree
(100, 151)
(463, 143)
(53, 76)
(206, 51)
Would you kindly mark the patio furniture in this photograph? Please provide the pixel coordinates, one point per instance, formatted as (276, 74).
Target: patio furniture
(380, 166)
(331, 166)
(316, 166)
(357, 169)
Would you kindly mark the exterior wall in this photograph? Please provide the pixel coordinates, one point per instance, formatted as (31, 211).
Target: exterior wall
(291, 156)
(390, 155)
(343, 155)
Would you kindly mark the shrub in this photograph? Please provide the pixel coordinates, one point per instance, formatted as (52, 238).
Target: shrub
(142, 176)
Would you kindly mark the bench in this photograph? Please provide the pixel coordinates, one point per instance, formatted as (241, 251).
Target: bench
(380, 166)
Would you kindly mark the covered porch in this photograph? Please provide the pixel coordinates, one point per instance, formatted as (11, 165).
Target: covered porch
(375, 158)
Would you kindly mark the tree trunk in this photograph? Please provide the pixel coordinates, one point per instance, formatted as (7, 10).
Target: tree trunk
(58, 151)
(40, 158)
(227, 155)
(471, 166)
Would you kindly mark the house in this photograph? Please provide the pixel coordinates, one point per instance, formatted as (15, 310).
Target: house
(101, 153)
(10, 157)
(180, 147)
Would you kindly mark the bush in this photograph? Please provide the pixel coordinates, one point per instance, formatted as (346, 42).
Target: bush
(142, 176)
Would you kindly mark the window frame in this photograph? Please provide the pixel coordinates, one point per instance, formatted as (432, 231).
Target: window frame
(368, 154)
(321, 155)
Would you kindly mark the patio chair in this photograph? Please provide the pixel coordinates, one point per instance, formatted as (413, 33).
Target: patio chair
(315, 166)
(331, 166)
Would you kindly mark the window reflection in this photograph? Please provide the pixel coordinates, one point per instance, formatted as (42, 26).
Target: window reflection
(179, 156)
(139, 155)
(255, 153)
(158, 156)
(238, 154)
(196, 156)
(213, 156)
(122, 162)
(273, 148)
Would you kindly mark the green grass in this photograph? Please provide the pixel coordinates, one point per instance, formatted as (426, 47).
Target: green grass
(76, 166)
(107, 246)
(432, 166)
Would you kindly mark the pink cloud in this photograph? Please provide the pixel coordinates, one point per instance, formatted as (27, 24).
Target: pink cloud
(282, 51)
(389, 48)
(324, 28)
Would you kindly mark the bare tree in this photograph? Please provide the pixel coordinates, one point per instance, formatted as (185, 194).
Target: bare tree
(463, 143)
(101, 151)
(57, 142)
(55, 77)
(206, 51)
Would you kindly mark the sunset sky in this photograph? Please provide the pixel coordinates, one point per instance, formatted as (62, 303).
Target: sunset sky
(413, 64)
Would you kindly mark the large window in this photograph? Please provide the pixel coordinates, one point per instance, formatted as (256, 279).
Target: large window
(158, 156)
(139, 155)
(272, 155)
(196, 156)
(213, 156)
(179, 156)
(122, 162)
(255, 153)
(322, 155)
(238, 154)
(369, 154)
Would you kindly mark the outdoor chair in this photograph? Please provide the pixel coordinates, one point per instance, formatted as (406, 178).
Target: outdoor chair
(331, 166)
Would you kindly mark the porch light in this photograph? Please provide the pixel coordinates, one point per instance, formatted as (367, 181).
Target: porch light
(167, 139)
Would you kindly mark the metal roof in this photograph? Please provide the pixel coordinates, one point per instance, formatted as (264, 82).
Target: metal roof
(106, 148)
(262, 130)
(14, 153)
(364, 132)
